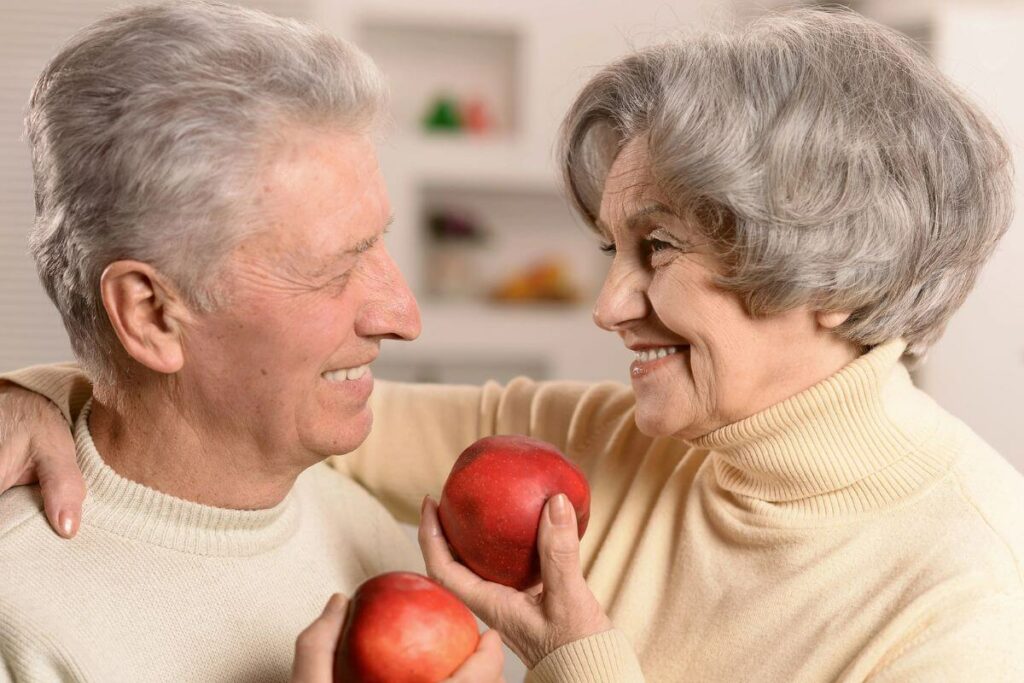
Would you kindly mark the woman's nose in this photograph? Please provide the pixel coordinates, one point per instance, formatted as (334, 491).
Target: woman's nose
(623, 299)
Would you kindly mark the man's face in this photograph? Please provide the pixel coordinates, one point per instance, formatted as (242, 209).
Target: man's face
(285, 364)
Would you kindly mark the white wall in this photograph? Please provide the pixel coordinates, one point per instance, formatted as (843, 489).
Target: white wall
(977, 369)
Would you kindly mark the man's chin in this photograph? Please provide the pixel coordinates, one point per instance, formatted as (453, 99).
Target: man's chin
(338, 435)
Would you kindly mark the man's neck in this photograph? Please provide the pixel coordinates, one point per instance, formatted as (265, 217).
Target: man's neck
(152, 443)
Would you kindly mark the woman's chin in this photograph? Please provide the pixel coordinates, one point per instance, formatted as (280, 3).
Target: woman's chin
(657, 422)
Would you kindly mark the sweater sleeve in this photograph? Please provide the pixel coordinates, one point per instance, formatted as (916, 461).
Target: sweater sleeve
(64, 383)
(419, 430)
(603, 658)
(980, 643)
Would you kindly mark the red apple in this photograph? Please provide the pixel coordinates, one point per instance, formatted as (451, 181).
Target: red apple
(403, 628)
(492, 502)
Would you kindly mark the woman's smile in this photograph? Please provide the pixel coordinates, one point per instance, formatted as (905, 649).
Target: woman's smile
(649, 359)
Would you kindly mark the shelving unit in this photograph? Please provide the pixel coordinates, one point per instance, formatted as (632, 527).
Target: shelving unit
(424, 60)
(504, 182)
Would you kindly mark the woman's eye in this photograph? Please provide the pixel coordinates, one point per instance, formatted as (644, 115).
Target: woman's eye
(654, 244)
(608, 247)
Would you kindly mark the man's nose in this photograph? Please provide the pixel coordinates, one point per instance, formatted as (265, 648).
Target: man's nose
(392, 311)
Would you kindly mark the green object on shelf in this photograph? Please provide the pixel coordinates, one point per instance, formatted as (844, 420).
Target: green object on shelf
(444, 115)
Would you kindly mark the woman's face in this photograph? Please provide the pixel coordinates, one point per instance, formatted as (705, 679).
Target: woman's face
(702, 361)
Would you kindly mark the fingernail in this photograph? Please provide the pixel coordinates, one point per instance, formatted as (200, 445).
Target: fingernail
(423, 505)
(66, 523)
(558, 511)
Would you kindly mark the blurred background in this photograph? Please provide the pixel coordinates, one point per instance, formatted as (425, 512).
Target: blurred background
(506, 276)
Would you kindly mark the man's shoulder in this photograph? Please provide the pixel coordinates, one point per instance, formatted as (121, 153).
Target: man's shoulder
(327, 486)
(349, 515)
(32, 635)
(340, 501)
(20, 506)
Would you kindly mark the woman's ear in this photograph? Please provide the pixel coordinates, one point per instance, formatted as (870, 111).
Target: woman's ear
(831, 319)
(146, 314)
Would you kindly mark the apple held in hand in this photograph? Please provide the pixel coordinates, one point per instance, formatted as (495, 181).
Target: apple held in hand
(403, 628)
(491, 505)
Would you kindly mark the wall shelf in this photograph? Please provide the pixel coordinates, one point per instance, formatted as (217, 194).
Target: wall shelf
(425, 60)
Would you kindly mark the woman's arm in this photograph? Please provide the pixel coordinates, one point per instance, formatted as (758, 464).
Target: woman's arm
(420, 429)
(418, 432)
(981, 641)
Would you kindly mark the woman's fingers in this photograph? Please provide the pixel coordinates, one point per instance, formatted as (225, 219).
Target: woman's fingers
(570, 608)
(483, 666)
(558, 544)
(60, 480)
(315, 646)
(494, 603)
(36, 445)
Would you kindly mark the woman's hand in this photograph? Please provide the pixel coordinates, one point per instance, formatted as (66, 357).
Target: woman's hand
(36, 445)
(532, 623)
(315, 647)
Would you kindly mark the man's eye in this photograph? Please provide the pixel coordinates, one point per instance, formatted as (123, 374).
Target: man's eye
(337, 283)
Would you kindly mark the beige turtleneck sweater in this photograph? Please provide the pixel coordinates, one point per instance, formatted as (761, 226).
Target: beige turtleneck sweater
(155, 588)
(854, 532)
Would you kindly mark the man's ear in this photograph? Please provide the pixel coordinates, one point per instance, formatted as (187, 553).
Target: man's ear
(147, 314)
(831, 319)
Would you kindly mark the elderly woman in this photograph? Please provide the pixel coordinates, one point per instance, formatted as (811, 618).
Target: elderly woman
(794, 211)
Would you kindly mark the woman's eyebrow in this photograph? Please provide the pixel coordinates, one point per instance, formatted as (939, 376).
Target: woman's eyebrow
(638, 216)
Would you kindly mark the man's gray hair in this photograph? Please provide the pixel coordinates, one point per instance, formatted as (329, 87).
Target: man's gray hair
(147, 131)
(824, 155)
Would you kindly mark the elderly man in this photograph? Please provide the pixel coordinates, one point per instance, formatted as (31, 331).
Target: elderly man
(209, 223)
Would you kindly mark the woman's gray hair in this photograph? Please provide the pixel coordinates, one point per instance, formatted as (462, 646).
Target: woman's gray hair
(147, 132)
(824, 155)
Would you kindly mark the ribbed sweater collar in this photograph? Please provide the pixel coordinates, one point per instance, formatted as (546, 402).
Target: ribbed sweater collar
(135, 511)
(856, 441)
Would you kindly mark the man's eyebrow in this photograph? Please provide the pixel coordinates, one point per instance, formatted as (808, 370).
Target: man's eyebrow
(370, 241)
(330, 262)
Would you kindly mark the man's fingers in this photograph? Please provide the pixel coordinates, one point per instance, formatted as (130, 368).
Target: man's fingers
(558, 544)
(60, 481)
(315, 646)
(483, 666)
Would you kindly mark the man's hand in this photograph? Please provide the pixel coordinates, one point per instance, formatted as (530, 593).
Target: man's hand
(36, 446)
(536, 622)
(315, 649)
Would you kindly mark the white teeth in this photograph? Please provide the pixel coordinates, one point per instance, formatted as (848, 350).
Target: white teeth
(654, 354)
(346, 373)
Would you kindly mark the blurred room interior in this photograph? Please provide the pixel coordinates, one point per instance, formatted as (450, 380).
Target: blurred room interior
(505, 275)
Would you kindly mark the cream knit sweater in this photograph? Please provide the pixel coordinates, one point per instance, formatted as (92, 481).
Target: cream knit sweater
(854, 532)
(156, 588)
